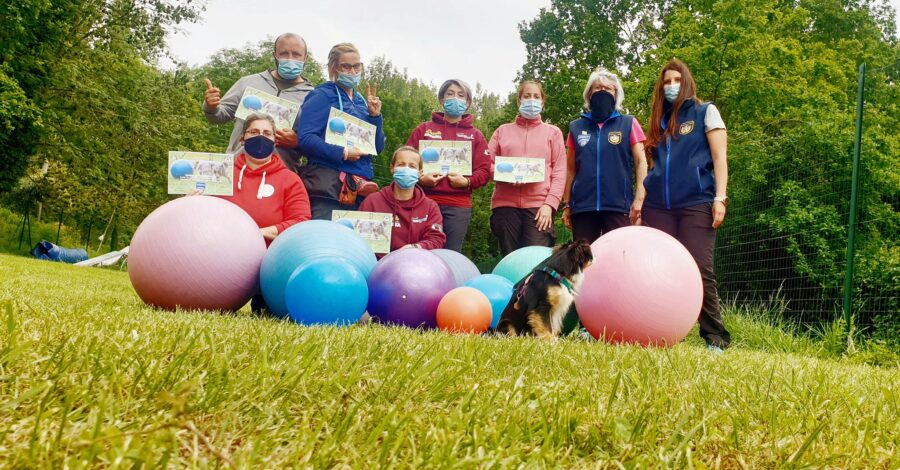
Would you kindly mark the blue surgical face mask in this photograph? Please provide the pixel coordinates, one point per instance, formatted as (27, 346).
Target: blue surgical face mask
(290, 69)
(530, 109)
(259, 146)
(671, 92)
(406, 177)
(455, 107)
(347, 80)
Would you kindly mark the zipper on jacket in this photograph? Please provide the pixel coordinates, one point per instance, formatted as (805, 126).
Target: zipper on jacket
(699, 183)
(599, 131)
(668, 157)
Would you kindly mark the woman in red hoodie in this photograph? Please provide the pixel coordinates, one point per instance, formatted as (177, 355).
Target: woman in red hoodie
(522, 213)
(453, 191)
(417, 219)
(273, 195)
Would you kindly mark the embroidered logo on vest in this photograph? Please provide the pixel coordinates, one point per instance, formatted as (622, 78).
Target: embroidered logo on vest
(615, 138)
(583, 138)
(686, 128)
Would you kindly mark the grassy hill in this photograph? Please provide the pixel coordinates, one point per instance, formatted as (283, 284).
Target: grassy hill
(91, 377)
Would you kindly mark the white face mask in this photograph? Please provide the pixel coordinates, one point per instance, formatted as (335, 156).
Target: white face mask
(671, 92)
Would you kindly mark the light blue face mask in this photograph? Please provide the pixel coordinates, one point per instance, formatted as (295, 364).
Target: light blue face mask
(290, 69)
(349, 81)
(455, 107)
(530, 109)
(671, 92)
(406, 177)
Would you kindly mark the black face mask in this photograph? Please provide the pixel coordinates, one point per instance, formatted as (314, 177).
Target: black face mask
(603, 103)
(259, 146)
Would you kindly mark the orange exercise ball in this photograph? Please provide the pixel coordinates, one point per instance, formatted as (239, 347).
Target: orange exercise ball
(464, 310)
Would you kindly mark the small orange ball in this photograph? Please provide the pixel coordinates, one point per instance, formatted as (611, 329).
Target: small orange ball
(464, 310)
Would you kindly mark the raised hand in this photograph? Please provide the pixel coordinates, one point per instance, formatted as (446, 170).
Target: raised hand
(372, 98)
(213, 95)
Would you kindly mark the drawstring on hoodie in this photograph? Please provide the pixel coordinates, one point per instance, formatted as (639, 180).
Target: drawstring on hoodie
(259, 194)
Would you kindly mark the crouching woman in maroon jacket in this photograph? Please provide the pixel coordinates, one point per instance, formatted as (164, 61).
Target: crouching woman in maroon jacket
(417, 219)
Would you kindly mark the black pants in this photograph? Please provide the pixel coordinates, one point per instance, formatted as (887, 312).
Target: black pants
(456, 224)
(692, 226)
(590, 225)
(515, 228)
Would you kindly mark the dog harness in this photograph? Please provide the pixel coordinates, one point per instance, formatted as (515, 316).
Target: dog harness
(550, 272)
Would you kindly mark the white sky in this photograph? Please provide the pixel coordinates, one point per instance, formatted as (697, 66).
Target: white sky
(412, 34)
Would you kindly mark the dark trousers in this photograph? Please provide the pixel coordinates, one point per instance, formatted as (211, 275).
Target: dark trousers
(590, 225)
(456, 224)
(516, 227)
(692, 226)
(322, 207)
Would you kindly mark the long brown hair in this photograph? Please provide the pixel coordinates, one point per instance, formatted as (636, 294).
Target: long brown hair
(657, 107)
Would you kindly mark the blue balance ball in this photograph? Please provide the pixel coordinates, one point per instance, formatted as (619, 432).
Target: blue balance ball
(303, 242)
(253, 102)
(182, 168)
(430, 155)
(518, 264)
(497, 289)
(326, 291)
(337, 125)
(505, 167)
(346, 223)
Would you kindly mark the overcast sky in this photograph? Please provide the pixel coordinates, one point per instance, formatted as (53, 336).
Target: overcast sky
(414, 34)
(477, 41)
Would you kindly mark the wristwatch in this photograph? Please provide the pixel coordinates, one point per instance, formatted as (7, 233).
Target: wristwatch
(724, 200)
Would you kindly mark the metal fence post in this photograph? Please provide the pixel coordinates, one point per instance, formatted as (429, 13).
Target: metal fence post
(854, 190)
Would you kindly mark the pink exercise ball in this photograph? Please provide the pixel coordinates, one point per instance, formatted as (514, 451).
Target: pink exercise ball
(197, 252)
(643, 287)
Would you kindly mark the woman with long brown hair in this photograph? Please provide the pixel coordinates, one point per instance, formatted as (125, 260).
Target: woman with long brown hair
(686, 185)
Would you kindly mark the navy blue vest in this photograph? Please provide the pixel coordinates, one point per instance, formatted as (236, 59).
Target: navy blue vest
(682, 173)
(604, 166)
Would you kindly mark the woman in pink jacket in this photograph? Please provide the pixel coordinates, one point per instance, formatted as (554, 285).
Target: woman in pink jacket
(522, 213)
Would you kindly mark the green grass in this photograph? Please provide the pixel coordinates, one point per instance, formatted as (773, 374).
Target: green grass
(90, 377)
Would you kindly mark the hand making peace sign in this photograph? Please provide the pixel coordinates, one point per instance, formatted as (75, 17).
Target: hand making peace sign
(372, 98)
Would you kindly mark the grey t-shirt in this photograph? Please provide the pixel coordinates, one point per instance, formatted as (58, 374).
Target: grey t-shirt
(713, 118)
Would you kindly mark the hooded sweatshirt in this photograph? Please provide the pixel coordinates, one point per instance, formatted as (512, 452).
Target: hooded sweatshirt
(439, 129)
(262, 81)
(530, 138)
(271, 194)
(311, 129)
(417, 220)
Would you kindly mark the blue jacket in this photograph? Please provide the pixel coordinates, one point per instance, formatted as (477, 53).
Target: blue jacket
(310, 129)
(682, 173)
(604, 166)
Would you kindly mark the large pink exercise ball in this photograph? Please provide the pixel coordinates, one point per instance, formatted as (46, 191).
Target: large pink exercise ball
(643, 287)
(406, 287)
(197, 252)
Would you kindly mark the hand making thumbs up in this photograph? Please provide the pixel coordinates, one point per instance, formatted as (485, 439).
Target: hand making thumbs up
(213, 96)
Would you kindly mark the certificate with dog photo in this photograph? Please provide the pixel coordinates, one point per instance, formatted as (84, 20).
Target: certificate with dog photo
(373, 227)
(349, 131)
(284, 112)
(207, 172)
(446, 156)
(519, 169)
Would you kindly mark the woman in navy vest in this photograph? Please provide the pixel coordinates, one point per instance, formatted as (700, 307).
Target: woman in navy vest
(686, 185)
(605, 161)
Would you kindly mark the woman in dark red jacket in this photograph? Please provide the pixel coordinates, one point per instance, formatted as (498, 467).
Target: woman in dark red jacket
(417, 219)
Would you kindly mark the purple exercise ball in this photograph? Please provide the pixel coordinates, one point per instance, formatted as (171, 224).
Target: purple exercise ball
(406, 287)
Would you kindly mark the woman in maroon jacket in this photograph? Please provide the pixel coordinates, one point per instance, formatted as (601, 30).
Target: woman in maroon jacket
(453, 191)
(417, 219)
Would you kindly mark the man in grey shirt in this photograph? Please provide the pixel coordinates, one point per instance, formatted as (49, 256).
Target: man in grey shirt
(285, 82)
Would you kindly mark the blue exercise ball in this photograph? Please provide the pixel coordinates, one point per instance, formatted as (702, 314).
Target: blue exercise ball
(182, 168)
(301, 243)
(505, 167)
(516, 265)
(328, 290)
(463, 269)
(346, 223)
(497, 289)
(253, 102)
(430, 155)
(337, 125)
